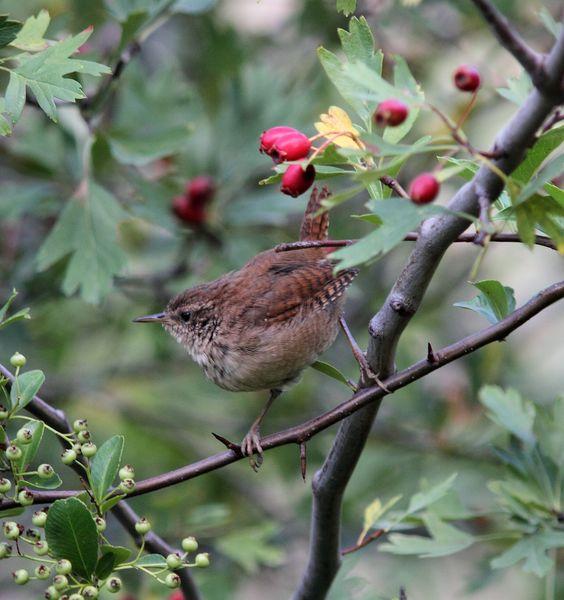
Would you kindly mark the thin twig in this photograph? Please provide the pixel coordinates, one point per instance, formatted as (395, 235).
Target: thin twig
(365, 541)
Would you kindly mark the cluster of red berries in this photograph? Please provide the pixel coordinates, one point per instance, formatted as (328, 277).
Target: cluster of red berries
(284, 144)
(191, 206)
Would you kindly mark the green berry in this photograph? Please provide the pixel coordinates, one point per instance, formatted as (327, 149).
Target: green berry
(5, 550)
(39, 518)
(13, 452)
(100, 524)
(90, 592)
(45, 471)
(76, 596)
(189, 544)
(25, 498)
(60, 582)
(12, 530)
(41, 548)
(113, 585)
(5, 485)
(143, 526)
(83, 436)
(68, 456)
(21, 576)
(18, 360)
(42, 572)
(127, 472)
(24, 435)
(80, 425)
(51, 593)
(89, 449)
(63, 567)
(173, 561)
(3, 412)
(127, 486)
(172, 580)
(203, 560)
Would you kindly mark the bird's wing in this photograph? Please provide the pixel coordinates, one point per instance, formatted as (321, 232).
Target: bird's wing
(315, 227)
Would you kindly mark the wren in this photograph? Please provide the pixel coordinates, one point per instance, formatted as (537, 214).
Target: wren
(259, 327)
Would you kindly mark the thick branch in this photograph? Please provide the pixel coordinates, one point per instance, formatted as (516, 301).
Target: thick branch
(360, 401)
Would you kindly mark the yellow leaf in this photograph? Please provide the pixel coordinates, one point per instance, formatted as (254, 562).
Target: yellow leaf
(373, 512)
(334, 121)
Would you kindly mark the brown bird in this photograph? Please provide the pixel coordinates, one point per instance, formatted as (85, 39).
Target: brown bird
(259, 327)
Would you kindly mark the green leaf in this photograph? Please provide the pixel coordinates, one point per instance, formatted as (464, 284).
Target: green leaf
(26, 387)
(8, 30)
(494, 302)
(551, 436)
(21, 314)
(105, 465)
(44, 73)
(15, 96)
(347, 7)
(71, 533)
(538, 153)
(358, 43)
(331, 371)
(507, 409)
(111, 557)
(543, 213)
(518, 88)
(43, 484)
(11, 512)
(152, 561)
(533, 550)
(31, 36)
(551, 25)
(87, 229)
(424, 498)
(111, 502)
(550, 171)
(30, 450)
(445, 540)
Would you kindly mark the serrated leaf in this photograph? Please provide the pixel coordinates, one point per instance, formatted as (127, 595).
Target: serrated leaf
(551, 170)
(543, 213)
(105, 465)
(31, 38)
(510, 411)
(71, 533)
(495, 302)
(8, 30)
(30, 450)
(331, 371)
(546, 144)
(347, 7)
(518, 88)
(152, 561)
(424, 498)
(26, 387)
(358, 43)
(337, 119)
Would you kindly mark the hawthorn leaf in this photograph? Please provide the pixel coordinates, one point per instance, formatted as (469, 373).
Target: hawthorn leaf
(495, 301)
(31, 38)
(551, 170)
(538, 153)
(424, 498)
(544, 213)
(518, 88)
(374, 511)
(347, 7)
(8, 30)
(358, 43)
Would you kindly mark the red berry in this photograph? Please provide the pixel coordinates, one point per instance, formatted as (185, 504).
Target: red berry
(200, 190)
(466, 78)
(296, 180)
(188, 212)
(270, 136)
(177, 595)
(290, 146)
(391, 113)
(424, 188)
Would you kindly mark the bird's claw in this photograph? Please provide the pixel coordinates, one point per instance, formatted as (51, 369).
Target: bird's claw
(251, 447)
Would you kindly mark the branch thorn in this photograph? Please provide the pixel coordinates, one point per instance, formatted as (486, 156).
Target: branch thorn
(303, 459)
(431, 356)
(229, 445)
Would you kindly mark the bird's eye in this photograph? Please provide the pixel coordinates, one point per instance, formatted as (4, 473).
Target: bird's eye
(185, 315)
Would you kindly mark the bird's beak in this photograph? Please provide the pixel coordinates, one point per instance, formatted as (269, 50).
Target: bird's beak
(156, 318)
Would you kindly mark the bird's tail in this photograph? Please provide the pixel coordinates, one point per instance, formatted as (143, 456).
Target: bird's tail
(315, 226)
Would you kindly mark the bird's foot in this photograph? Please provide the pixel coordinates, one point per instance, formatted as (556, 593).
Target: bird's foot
(368, 376)
(251, 447)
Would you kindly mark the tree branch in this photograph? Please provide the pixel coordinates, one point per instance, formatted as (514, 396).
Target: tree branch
(358, 403)
(403, 301)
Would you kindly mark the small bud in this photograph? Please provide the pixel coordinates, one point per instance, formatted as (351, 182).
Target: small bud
(127, 472)
(63, 567)
(51, 593)
(80, 425)
(5, 485)
(13, 452)
(467, 78)
(68, 456)
(127, 486)
(391, 113)
(173, 561)
(5, 550)
(113, 585)
(39, 518)
(3, 412)
(12, 530)
(424, 188)
(90, 592)
(42, 572)
(202, 560)
(24, 435)
(18, 360)
(25, 498)
(172, 580)
(189, 544)
(60, 582)
(296, 180)
(83, 436)
(45, 471)
(21, 576)
(143, 526)
(100, 524)
(41, 548)
(89, 449)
